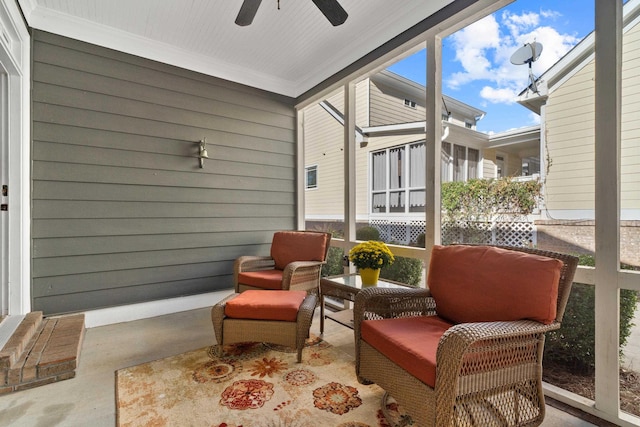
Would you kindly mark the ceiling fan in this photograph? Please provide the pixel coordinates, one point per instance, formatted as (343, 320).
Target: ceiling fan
(331, 9)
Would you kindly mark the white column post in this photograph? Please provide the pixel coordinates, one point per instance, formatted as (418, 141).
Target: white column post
(301, 172)
(433, 143)
(608, 72)
(350, 164)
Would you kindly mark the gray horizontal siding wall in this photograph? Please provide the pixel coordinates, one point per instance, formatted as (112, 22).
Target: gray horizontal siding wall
(121, 211)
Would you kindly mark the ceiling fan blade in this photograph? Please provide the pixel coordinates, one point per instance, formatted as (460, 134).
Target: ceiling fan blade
(247, 12)
(332, 10)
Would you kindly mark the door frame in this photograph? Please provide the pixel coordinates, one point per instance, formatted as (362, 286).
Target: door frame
(15, 56)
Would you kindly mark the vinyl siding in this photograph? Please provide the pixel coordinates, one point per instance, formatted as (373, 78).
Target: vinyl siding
(376, 104)
(323, 142)
(121, 211)
(387, 107)
(570, 135)
(630, 127)
(489, 163)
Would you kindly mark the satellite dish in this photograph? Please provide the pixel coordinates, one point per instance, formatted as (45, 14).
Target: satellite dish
(528, 54)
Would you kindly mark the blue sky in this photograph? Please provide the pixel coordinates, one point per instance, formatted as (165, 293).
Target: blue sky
(475, 60)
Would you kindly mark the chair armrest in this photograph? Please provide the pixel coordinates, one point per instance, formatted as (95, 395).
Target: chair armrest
(302, 276)
(250, 263)
(253, 263)
(217, 316)
(470, 349)
(457, 339)
(307, 309)
(381, 303)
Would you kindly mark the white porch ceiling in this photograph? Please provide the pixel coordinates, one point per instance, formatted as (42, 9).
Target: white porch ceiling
(287, 51)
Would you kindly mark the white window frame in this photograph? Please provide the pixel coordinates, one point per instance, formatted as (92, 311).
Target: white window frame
(308, 169)
(449, 167)
(406, 187)
(505, 165)
(410, 104)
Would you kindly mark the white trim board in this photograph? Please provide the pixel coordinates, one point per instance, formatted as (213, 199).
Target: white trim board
(145, 310)
(15, 52)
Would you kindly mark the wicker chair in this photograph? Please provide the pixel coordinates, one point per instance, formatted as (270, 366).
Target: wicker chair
(486, 373)
(295, 263)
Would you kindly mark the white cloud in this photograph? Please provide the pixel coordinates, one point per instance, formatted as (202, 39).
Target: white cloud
(499, 95)
(517, 23)
(484, 49)
(550, 14)
(534, 119)
(471, 45)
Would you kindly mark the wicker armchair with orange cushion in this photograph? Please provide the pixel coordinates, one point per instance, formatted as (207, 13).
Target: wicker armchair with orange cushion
(468, 350)
(295, 262)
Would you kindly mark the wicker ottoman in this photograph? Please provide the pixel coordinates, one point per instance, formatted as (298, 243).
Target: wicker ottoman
(270, 316)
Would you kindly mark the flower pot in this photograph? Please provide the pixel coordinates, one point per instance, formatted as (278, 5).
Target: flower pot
(369, 276)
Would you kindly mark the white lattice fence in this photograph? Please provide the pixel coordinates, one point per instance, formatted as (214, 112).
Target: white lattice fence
(507, 233)
(403, 232)
(519, 233)
(466, 232)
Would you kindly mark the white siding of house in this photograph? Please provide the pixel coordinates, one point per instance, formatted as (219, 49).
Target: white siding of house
(489, 163)
(362, 103)
(324, 135)
(569, 141)
(387, 107)
(630, 150)
(570, 135)
(323, 140)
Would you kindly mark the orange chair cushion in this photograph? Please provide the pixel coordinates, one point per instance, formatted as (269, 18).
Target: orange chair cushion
(265, 279)
(290, 246)
(485, 284)
(409, 342)
(265, 305)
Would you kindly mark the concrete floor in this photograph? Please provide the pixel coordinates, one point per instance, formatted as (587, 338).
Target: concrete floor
(89, 398)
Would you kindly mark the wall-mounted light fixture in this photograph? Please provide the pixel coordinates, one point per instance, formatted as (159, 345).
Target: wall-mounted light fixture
(202, 151)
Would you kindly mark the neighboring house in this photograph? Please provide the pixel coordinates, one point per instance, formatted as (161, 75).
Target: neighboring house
(390, 155)
(565, 103)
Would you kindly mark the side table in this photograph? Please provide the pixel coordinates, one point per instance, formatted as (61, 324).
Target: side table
(346, 287)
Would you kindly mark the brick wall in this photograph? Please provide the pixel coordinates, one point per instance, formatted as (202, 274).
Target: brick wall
(578, 237)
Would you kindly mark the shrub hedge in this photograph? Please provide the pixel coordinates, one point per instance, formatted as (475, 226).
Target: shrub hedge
(573, 345)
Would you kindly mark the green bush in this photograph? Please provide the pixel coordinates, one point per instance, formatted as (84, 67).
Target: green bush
(420, 240)
(367, 233)
(482, 199)
(404, 270)
(573, 345)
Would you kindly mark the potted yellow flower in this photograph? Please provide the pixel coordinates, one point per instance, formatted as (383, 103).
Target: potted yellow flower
(369, 257)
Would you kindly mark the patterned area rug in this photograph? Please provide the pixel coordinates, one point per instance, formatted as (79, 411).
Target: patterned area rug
(251, 385)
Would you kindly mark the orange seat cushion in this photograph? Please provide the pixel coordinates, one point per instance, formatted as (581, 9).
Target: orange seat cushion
(409, 342)
(265, 279)
(485, 284)
(265, 305)
(290, 246)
